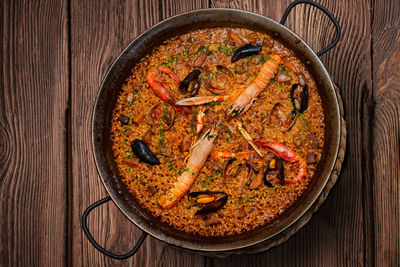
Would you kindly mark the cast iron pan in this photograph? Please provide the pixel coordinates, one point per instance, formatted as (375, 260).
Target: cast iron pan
(119, 72)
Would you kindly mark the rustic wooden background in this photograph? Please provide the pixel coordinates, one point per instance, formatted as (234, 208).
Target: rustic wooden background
(53, 56)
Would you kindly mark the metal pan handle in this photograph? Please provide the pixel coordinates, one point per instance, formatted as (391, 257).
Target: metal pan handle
(323, 9)
(96, 245)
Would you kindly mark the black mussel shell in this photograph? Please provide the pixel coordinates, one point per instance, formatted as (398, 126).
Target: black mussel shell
(199, 193)
(301, 106)
(192, 76)
(246, 51)
(143, 152)
(304, 99)
(279, 170)
(124, 120)
(266, 182)
(213, 206)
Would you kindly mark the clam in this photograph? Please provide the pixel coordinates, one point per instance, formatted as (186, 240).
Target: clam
(274, 118)
(257, 180)
(231, 168)
(289, 121)
(143, 152)
(220, 81)
(244, 174)
(157, 114)
(211, 200)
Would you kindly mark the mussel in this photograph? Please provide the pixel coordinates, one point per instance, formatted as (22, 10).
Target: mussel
(246, 51)
(275, 168)
(143, 152)
(211, 200)
(299, 97)
(190, 83)
(124, 120)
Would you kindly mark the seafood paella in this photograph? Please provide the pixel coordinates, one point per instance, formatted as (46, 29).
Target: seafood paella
(218, 131)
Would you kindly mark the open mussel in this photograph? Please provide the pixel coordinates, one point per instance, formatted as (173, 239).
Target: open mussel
(274, 173)
(143, 152)
(299, 97)
(190, 83)
(211, 200)
(246, 51)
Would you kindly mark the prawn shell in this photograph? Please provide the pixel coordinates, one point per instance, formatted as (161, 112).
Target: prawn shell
(143, 152)
(246, 51)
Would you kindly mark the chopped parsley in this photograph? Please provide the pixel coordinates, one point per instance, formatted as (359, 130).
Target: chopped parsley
(161, 139)
(304, 124)
(239, 148)
(169, 61)
(251, 199)
(226, 50)
(264, 59)
(213, 104)
(204, 49)
(284, 70)
(184, 53)
(212, 135)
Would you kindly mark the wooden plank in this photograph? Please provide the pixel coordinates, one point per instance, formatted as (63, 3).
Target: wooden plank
(99, 31)
(33, 103)
(340, 232)
(386, 131)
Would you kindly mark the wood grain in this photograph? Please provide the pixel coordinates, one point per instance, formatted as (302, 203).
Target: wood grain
(33, 103)
(386, 131)
(53, 56)
(342, 218)
(99, 32)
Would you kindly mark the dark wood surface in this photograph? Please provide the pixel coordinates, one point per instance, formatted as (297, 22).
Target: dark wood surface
(53, 57)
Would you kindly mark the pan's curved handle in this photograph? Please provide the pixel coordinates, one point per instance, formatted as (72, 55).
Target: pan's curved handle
(96, 245)
(323, 9)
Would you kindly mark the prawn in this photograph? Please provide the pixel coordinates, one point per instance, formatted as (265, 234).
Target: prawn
(200, 151)
(159, 89)
(287, 154)
(267, 72)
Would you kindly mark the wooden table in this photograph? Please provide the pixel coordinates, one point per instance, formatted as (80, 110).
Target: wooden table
(54, 55)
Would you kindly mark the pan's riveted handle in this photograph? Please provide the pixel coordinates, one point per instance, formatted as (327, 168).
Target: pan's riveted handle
(96, 245)
(323, 9)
